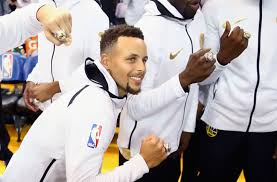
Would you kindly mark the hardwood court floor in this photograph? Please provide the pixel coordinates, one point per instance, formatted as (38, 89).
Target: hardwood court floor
(110, 158)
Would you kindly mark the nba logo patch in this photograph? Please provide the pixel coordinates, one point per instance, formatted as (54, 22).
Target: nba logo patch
(7, 66)
(94, 136)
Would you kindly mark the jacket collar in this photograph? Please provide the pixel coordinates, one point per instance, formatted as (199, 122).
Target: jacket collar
(167, 9)
(157, 7)
(96, 73)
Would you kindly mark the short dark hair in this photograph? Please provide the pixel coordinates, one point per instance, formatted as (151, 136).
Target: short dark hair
(110, 36)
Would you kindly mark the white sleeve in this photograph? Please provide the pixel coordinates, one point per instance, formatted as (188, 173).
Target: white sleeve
(90, 130)
(78, 77)
(16, 27)
(215, 74)
(212, 37)
(191, 109)
(204, 94)
(153, 100)
(131, 170)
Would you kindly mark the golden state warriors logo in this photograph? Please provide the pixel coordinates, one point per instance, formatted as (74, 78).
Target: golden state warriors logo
(211, 132)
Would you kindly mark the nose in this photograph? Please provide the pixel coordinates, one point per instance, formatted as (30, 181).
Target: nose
(141, 65)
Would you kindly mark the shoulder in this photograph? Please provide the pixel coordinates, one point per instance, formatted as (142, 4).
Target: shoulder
(90, 97)
(214, 6)
(151, 22)
(153, 28)
(90, 104)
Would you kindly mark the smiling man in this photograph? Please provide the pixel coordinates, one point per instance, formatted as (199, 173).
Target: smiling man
(80, 125)
(127, 79)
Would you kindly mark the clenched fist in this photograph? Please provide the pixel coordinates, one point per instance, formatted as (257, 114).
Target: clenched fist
(153, 151)
(232, 44)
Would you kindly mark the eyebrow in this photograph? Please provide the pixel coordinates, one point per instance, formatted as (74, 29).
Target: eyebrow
(133, 55)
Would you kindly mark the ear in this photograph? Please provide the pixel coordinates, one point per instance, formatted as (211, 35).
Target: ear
(105, 60)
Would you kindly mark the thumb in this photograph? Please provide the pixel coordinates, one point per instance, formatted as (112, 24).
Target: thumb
(50, 36)
(227, 29)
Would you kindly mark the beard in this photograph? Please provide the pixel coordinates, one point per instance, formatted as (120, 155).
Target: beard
(128, 89)
(131, 91)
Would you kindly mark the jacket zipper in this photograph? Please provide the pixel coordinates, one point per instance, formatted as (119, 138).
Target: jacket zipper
(258, 63)
(131, 135)
(189, 38)
(192, 49)
(52, 58)
(47, 170)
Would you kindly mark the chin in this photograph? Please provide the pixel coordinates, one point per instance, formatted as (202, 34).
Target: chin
(189, 13)
(133, 91)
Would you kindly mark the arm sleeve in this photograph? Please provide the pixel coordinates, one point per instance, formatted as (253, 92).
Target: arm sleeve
(16, 27)
(131, 170)
(88, 136)
(212, 37)
(151, 101)
(215, 74)
(191, 109)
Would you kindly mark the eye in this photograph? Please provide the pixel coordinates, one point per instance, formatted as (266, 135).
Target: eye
(145, 60)
(132, 59)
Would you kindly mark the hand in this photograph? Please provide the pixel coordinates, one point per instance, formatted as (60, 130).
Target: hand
(54, 20)
(153, 151)
(184, 143)
(27, 98)
(44, 91)
(198, 68)
(231, 44)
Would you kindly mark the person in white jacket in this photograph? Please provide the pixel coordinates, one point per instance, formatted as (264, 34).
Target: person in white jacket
(56, 64)
(23, 23)
(15, 28)
(82, 122)
(240, 119)
(167, 104)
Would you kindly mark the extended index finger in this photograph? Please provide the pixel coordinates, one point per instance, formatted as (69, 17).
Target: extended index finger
(201, 52)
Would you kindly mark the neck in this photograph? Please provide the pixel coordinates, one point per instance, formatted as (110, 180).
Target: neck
(121, 92)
